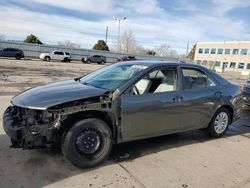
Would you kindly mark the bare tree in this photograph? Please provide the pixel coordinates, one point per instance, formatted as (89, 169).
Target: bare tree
(166, 51)
(68, 43)
(127, 43)
(162, 50)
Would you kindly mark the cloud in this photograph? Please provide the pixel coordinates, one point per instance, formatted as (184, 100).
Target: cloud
(96, 6)
(151, 21)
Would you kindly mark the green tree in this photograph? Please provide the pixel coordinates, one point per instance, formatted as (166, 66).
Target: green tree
(101, 45)
(32, 39)
(150, 52)
(191, 53)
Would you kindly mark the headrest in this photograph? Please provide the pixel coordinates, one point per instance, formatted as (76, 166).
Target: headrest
(201, 80)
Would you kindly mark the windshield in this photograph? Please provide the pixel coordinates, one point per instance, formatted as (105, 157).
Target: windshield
(113, 76)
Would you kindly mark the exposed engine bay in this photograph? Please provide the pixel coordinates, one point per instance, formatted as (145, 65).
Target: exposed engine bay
(31, 128)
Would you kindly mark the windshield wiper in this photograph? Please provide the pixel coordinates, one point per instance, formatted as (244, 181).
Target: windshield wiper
(88, 84)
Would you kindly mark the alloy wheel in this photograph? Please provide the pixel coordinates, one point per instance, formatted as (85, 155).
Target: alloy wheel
(221, 122)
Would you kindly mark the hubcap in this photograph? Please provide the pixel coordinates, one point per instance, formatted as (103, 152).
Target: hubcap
(221, 122)
(88, 141)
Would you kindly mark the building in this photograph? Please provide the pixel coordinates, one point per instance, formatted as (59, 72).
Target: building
(233, 55)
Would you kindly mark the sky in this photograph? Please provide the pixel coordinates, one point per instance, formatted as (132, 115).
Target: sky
(153, 22)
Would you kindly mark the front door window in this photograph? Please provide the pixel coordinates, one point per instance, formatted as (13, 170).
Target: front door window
(157, 81)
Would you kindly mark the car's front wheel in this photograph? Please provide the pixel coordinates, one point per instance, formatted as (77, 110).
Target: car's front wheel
(87, 143)
(47, 58)
(219, 123)
(18, 56)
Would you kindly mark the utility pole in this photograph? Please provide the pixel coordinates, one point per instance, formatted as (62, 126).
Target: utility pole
(106, 36)
(119, 23)
(187, 48)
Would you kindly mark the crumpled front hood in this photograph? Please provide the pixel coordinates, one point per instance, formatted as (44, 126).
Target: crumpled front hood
(43, 97)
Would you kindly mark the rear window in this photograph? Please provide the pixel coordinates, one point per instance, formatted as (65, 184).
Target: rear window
(67, 53)
(58, 53)
(10, 49)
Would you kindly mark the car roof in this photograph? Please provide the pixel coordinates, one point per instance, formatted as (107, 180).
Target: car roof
(151, 63)
(11, 48)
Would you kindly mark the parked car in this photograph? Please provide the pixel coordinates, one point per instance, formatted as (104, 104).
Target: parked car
(56, 55)
(12, 52)
(120, 103)
(100, 59)
(246, 93)
(126, 58)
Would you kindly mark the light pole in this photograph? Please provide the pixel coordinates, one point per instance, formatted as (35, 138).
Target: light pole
(116, 18)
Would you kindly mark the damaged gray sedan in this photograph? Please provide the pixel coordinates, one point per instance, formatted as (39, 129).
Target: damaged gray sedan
(120, 103)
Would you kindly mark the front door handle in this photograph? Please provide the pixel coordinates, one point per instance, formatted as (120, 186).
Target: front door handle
(178, 98)
(175, 98)
(217, 93)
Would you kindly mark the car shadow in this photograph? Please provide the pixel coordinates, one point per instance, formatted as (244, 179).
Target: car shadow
(38, 168)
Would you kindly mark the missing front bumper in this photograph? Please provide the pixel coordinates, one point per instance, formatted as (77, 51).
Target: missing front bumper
(22, 137)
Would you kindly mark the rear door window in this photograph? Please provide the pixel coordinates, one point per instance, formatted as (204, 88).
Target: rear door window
(193, 79)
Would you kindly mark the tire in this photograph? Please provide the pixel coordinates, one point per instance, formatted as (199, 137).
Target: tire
(47, 58)
(103, 62)
(66, 60)
(223, 117)
(99, 143)
(18, 56)
(88, 61)
(83, 60)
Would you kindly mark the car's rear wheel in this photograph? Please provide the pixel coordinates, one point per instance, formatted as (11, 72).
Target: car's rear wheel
(18, 56)
(103, 62)
(219, 123)
(88, 61)
(87, 143)
(47, 58)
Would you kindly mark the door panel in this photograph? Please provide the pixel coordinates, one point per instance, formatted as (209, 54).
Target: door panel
(197, 107)
(199, 99)
(7, 53)
(150, 106)
(149, 115)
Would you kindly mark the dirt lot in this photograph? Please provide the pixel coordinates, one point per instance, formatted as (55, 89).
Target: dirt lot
(180, 160)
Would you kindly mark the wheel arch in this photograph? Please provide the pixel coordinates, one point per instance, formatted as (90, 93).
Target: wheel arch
(230, 109)
(108, 118)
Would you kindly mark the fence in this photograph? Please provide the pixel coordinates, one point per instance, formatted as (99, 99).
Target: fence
(34, 50)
